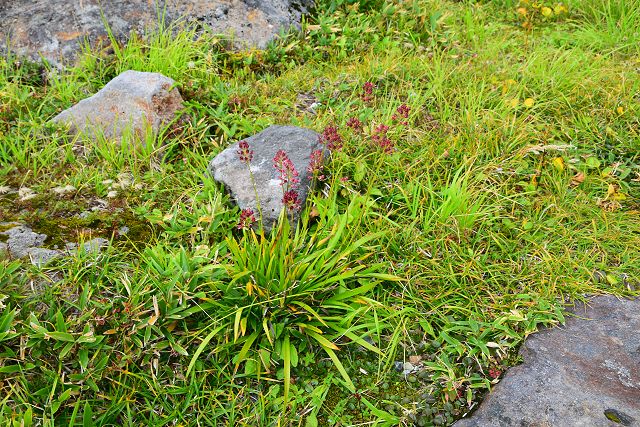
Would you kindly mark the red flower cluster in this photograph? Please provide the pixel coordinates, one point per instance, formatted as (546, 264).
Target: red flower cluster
(381, 139)
(367, 91)
(402, 113)
(247, 218)
(494, 373)
(244, 153)
(290, 200)
(331, 138)
(355, 124)
(288, 172)
(315, 164)
(288, 180)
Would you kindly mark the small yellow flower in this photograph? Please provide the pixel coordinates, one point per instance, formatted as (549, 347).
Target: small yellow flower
(528, 102)
(522, 11)
(547, 12)
(514, 102)
(620, 110)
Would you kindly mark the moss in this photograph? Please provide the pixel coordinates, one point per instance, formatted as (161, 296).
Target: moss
(60, 220)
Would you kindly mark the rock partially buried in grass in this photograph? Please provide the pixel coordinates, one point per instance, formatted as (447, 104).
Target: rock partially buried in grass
(136, 102)
(22, 242)
(227, 168)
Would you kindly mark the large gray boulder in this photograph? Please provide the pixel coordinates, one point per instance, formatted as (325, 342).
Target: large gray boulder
(227, 168)
(585, 374)
(134, 102)
(55, 28)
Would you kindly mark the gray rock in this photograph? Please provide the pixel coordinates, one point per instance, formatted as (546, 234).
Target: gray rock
(56, 28)
(584, 374)
(133, 101)
(227, 168)
(23, 242)
(41, 256)
(94, 245)
(21, 239)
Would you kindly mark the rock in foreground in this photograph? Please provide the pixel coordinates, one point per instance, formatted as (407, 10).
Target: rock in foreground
(55, 28)
(585, 374)
(134, 102)
(228, 169)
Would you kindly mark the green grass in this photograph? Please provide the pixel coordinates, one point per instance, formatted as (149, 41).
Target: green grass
(513, 190)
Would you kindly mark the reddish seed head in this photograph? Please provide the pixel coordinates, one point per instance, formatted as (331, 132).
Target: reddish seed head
(381, 139)
(402, 112)
(355, 124)
(247, 218)
(367, 90)
(315, 164)
(244, 153)
(331, 138)
(288, 172)
(290, 200)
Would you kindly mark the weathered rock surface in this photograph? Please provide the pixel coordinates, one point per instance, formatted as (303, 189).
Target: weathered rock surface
(584, 374)
(134, 101)
(55, 28)
(227, 168)
(23, 242)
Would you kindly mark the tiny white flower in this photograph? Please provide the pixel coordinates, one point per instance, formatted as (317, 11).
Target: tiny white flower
(4, 189)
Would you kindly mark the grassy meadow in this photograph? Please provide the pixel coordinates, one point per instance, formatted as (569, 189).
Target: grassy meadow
(488, 174)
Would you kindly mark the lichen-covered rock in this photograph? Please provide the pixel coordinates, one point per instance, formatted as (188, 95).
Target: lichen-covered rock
(22, 242)
(584, 374)
(133, 101)
(55, 29)
(227, 168)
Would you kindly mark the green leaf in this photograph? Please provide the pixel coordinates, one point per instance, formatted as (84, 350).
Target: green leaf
(286, 354)
(340, 368)
(311, 421)
(87, 416)
(361, 169)
(245, 349)
(201, 348)
(294, 356)
(593, 162)
(60, 336)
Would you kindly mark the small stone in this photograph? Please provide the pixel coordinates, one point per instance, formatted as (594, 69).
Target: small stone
(133, 101)
(42, 256)
(94, 245)
(408, 366)
(62, 190)
(25, 193)
(415, 359)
